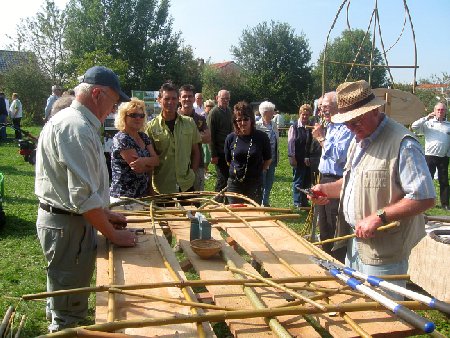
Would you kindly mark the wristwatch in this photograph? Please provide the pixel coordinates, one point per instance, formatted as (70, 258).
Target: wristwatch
(382, 215)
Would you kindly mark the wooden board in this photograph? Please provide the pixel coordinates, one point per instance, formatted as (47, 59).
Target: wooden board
(403, 107)
(296, 253)
(143, 264)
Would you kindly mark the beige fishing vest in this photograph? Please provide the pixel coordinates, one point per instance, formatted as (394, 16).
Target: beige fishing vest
(375, 187)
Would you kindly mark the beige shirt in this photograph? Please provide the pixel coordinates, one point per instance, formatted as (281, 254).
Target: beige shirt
(71, 171)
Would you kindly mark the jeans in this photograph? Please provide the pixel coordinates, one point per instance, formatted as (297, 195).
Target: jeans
(441, 164)
(298, 179)
(268, 178)
(353, 261)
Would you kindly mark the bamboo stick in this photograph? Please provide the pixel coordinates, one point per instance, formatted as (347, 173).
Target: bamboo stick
(111, 296)
(6, 319)
(172, 301)
(278, 286)
(273, 323)
(192, 283)
(177, 211)
(187, 292)
(20, 327)
(240, 314)
(216, 220)
(381, 228)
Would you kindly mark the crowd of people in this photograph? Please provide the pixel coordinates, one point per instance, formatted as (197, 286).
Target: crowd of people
(369, 170)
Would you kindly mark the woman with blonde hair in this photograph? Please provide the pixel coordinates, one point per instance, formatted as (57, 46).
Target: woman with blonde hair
(132, 154)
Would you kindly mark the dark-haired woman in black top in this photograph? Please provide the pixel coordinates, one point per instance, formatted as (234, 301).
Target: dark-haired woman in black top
(248, 153)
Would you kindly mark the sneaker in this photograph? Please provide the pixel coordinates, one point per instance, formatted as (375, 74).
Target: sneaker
(207, 175)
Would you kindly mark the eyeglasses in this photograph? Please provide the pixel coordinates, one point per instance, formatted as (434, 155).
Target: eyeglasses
(210, 106)
(116, 105)
(244, 119)
(136, 115)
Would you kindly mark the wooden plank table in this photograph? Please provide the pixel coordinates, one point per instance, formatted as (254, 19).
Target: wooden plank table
(233, 295)
(143, 264)
(296, 253)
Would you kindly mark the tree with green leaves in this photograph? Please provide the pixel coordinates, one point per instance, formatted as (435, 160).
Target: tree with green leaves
(137, 32)
(345, 48)
(43, 35)
(32, 85)
(276, 63)
(214, 79)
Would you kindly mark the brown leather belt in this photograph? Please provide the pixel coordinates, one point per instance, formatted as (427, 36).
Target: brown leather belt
(53, 210)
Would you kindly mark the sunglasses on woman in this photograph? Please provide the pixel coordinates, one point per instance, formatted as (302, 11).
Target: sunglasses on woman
(136, 115)
(243, 119)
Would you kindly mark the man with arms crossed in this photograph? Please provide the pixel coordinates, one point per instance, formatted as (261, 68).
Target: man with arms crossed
(175, 138)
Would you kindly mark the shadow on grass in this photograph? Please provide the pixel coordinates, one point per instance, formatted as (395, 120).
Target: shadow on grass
(17, 227)
(10, 170)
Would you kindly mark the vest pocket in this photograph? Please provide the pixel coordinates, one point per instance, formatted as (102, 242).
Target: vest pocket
(375, 178)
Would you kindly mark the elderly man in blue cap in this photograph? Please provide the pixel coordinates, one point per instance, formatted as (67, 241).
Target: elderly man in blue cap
(72, 187)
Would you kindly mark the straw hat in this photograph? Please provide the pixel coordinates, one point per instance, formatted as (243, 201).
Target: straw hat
(355, 99)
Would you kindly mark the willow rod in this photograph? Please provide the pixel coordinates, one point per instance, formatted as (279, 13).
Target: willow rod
(111, 296)
(224, 315)
(187, 292)
(216, 220)
(278, 286)
(172, 301)
(319, 253)
(253, 297)
(186, 283)
(381, 228)
(177, 211)
(273, 323)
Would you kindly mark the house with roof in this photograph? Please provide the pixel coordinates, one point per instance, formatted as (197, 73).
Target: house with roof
(228, 67)
(11, 58)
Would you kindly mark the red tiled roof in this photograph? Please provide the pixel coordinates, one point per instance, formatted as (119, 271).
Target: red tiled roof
(432, 85)
(222, 64)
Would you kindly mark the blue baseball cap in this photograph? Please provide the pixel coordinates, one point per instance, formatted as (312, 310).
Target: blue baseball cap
(103, 76)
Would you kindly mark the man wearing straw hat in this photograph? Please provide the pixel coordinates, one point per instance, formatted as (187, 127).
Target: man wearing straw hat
(385, 179)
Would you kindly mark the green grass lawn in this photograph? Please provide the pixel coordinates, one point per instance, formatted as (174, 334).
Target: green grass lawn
(22, 265)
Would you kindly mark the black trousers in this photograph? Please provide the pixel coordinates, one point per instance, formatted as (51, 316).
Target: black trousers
(251, 188)
(441, 164)
(326, 219)
(222, 172)
(16, 124)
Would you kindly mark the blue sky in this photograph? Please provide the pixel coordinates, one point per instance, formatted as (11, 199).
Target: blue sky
(211, 27)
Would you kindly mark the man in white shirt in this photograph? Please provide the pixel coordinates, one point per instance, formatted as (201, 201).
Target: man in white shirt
(56, 94)
(198, 104)
(436, 130)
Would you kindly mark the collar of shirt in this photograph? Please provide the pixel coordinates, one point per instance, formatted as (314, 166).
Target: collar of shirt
(364, 143)
(299, 123)
(87, 113)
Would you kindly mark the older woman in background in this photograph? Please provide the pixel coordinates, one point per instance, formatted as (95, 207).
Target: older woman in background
(248, 154)
(132, 155)
(265, 124)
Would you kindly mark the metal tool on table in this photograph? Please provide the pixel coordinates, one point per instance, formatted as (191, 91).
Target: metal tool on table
(376, 281)
(400, 310)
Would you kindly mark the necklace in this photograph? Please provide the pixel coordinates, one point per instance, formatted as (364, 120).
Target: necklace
(246, 164)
